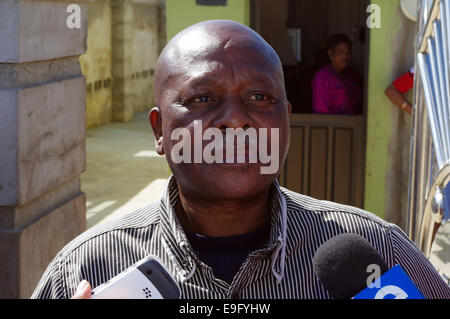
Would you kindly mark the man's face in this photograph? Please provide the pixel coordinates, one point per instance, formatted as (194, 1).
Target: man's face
(340, 57)
(227, 88)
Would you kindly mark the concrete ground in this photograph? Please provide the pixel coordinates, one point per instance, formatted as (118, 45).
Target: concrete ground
(123, 171)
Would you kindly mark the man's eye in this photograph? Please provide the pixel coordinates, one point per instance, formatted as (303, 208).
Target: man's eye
(201, 99)
(259, 97)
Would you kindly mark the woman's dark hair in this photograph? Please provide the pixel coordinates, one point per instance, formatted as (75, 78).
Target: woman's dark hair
(336, 39)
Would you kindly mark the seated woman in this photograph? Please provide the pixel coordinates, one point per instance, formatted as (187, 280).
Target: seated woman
(337, 89)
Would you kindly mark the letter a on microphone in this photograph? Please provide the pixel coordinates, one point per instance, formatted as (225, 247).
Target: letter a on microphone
(394, 284)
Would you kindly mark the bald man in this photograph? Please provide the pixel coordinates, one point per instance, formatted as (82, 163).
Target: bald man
(224, 227)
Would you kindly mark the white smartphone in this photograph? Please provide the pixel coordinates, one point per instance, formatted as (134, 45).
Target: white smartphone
(147, 279)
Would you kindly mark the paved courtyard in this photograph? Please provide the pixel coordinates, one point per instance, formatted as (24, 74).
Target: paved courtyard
(123, 171)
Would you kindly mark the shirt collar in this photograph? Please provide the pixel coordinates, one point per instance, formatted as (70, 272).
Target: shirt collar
(181, 252)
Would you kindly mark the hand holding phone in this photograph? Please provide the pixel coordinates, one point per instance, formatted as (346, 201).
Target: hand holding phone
(147, 279)
(83, 291)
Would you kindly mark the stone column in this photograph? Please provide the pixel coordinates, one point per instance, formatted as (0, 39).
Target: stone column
(138, 35)
(122, 53)
(42, 138)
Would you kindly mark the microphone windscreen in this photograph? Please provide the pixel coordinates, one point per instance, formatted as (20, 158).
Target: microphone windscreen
(341, 264)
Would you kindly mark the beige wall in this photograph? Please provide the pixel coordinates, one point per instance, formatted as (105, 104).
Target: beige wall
(145, 50)
(96, 64)
(124, 42)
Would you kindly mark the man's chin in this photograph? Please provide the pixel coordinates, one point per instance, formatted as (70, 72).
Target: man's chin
(232, 170)
(229, 181)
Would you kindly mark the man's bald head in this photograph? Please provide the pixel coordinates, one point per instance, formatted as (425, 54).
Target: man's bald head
(225, 76)
(201, 42)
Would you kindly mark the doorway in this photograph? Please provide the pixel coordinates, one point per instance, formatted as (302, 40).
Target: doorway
(327, 152)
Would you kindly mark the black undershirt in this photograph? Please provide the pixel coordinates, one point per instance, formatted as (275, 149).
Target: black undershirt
(225, 255)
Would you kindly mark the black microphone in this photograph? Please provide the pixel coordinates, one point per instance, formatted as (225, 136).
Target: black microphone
(348, 266)
(341, 264)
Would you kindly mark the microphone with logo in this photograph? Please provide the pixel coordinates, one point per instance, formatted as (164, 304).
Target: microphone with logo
(348, 266)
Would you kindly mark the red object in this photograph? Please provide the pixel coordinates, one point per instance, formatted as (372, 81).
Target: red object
(405, 82)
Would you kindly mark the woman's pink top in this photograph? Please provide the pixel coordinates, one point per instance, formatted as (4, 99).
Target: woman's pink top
(336, 93)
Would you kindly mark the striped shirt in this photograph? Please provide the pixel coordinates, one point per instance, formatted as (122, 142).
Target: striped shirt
(280, 269)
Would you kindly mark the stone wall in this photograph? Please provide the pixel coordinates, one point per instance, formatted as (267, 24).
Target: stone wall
(125, 38)
(42, 138)
(96, 64)
(44, 85)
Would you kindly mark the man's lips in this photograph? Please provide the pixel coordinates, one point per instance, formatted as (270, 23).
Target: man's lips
(237, 159)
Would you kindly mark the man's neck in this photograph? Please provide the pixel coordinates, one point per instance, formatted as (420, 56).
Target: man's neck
(223, 217)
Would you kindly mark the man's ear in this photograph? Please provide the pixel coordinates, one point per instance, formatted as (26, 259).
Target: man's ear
(155, 119)
(289, 109)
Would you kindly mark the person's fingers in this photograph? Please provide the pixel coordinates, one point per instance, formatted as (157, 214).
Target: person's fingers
(409, 110)
(83, 291)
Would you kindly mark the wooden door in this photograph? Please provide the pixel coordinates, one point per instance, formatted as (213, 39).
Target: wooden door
(326, 157)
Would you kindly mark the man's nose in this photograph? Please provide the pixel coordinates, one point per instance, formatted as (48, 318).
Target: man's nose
(234, 113)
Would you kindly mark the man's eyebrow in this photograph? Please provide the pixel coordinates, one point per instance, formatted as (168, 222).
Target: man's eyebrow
(189, 84)
(210, 79)
(263, 80)
(203, 80)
